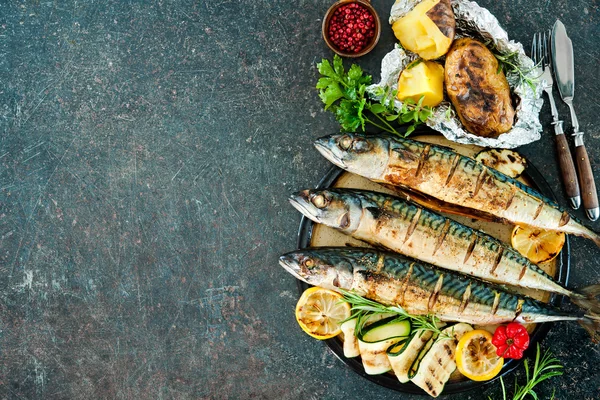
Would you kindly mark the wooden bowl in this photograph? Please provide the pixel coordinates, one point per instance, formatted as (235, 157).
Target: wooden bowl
(373, 40)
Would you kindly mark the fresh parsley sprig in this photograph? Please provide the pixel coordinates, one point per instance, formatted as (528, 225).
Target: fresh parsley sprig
(545, 367)
(344, 93)
(363, 308)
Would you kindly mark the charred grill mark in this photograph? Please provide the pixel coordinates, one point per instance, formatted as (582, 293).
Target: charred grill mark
(406, 156)
(442, 236)
(522, 274)
(480, 181)
(470, 249)
(380, 263)
(452, 169)
(496, 303)
(442, 16)
(375, 352)
(519, 308)
(388, 204)
(448, 350)
(405, 285)
(370, 363)
(413, 224)
(436, 291)
(564, 219)
(465, 299)
(538, 211)
(430, 387)
(513, 193)
(497, 261)
(422, 159)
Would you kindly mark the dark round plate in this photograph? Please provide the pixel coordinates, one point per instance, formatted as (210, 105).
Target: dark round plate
(389, 380)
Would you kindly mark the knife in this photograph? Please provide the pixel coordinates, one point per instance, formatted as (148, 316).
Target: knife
(564, 69)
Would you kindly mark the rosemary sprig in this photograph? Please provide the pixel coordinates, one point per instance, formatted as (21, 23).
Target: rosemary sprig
(363, 308)
(545, 367)
(508, 63)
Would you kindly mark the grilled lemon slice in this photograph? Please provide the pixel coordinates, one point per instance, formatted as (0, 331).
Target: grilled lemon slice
(537, 245)
(476, 356)
(319, 312)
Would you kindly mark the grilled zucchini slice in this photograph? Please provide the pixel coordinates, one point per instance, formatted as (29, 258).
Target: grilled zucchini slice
(437, 364)
(374, 341)
(403, 354)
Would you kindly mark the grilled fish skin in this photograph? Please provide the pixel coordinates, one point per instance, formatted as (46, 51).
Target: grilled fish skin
(421, 288)
(441, 173)
(384, 220)
(387, 221)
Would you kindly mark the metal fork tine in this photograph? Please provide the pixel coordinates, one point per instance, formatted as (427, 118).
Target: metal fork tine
(541, 51)
(534, 49)
(546, 58)
(549, 46)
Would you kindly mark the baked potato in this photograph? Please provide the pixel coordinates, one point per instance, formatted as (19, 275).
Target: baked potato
(428, 29)
(422, 79)
(478, 89)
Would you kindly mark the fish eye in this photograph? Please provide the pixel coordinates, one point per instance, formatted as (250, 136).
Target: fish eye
(361, 145)
(309, 263)
(345, 221)
(345, 142)
(319, 201)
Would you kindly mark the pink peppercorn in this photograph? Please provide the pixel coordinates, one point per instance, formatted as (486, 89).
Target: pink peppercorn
(351, 28)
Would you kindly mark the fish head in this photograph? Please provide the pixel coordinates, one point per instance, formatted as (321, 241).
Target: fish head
(319, 267)
(338, 209)
(365, 155)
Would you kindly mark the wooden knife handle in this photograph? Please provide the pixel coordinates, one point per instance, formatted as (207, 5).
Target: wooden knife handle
(586, 178)
(567, 168)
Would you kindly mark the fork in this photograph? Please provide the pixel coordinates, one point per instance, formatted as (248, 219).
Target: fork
(541, 58)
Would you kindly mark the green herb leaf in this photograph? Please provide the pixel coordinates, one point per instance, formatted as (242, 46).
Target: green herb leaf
(331, 94)
(544, 367)
(414, 63)
(408, 116)
(509, 63)
(363, 308)
(323, 82)
(338, 65)
(324, 68)
(345, 94)
(377, 108)
(355, 72)
(424, 115)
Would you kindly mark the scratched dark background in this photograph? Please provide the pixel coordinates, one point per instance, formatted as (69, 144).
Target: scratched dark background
(147, 149)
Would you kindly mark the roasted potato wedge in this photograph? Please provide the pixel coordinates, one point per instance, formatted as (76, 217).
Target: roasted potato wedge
(428, 29)
(478, 89)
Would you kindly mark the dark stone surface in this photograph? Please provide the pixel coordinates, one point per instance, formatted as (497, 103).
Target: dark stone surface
(146, 153)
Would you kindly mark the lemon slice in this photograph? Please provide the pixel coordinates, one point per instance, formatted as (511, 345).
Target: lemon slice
(537, 245)
(319, 312)
(476, 356)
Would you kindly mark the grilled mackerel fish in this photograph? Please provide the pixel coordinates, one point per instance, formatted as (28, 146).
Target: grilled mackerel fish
(441, 173)
(422, 289)
(387, 221)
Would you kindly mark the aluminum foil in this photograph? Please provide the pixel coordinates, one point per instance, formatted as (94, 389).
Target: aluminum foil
(477, 22)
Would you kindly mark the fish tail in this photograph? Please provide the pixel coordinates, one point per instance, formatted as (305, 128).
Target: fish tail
(587, 298)
(591, 323)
